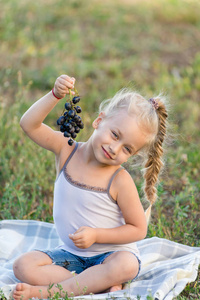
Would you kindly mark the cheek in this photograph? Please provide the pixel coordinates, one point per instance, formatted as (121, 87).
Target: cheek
(123, 157)
(99, 138)
(103, 135)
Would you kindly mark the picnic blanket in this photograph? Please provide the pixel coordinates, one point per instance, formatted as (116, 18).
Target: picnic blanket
(166, 266)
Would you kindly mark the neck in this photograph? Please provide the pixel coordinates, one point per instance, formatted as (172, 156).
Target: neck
(86, 152)
(87, 155)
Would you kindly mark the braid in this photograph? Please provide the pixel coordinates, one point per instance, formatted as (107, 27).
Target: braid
(151, 117)
(154, 162)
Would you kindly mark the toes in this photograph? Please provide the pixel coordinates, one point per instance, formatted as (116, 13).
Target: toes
(17, 294)
(116, 288)
(18, 287)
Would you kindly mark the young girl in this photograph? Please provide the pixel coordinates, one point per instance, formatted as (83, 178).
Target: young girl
(97, 211)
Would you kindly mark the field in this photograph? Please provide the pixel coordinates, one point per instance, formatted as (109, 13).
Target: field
(152, 46)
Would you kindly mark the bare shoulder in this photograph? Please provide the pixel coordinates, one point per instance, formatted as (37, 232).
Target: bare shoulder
(123, 179)
(122, 185)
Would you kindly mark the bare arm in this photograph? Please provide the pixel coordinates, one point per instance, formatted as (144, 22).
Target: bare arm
(128, 200)
(135, 228)
(32, 121)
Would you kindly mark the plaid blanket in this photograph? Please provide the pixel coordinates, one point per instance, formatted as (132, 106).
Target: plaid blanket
(166, 266)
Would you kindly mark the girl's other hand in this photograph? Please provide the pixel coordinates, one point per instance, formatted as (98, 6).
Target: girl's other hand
(84, 237)
(62, 86)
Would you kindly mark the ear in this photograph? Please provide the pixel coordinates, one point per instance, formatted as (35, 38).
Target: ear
(98, 120)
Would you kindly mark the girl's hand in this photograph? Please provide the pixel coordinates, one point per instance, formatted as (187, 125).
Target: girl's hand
(84, 237)
(62, 86)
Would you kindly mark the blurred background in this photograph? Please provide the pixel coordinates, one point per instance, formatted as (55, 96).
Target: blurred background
(151, 46)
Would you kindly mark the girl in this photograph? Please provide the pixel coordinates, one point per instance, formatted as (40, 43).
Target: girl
(97, 211)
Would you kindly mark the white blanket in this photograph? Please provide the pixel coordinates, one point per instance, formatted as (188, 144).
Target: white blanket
(166, 266)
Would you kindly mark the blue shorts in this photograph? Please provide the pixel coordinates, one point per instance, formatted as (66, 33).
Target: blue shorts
(78, 264)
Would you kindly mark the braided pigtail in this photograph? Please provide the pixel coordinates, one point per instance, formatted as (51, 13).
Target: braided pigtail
(154, 161)
(152, 119)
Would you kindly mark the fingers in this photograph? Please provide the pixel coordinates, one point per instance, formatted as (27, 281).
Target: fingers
(63, 84)
(67, 77)
(77, 240)
(67, 81)
(71, 236)
(80, 229)
(75, 236)
(84, 237)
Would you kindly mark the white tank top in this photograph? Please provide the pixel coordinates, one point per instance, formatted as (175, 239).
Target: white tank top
(77, 205)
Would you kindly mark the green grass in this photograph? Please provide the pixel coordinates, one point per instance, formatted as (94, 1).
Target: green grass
(150, 45)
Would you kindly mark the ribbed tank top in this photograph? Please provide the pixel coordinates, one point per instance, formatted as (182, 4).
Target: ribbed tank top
(77, 205)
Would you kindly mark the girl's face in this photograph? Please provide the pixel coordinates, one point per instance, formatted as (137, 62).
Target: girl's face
(117, 138)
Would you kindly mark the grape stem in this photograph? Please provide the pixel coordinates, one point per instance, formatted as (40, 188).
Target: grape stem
(70, 98)
(70, 95)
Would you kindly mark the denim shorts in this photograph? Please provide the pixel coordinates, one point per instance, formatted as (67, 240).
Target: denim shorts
(78, 264)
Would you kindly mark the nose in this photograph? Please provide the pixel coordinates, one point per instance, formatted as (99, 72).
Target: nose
(114, 147)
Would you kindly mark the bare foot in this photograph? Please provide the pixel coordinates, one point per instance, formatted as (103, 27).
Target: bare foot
(115, 288)
(26, 291)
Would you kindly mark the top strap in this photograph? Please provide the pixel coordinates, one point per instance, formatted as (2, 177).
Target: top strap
(70, 156)
(113, 176)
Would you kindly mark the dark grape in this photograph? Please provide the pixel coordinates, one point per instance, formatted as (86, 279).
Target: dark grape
(68, 126)
(70, 123)
(71, 113)
(78, 109)
(71, 130)
(78, 120)
(67, 134)
(68, 106)
(73, 135)
(61, 120)
(62, 128)
(76, 99)
(75, 118)
(81, 125)
(70, 142)
(77, 129)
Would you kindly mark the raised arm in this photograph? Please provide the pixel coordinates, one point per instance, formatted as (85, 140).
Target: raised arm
(32, 121)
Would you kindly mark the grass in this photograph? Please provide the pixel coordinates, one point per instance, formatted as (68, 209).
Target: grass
(150, 45)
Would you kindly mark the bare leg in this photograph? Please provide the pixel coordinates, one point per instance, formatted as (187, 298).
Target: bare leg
(119, 267)
(36, 268)
(118, 287)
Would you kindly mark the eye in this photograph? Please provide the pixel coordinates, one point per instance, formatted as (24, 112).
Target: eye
(115, 135)
(127, 149)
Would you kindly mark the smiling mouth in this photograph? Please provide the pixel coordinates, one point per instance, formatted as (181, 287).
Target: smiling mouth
(107, 154)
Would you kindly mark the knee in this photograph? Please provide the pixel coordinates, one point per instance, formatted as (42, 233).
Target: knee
(125, 266)
(22, 266)
(130, 266)
(130, 271)
(19, 266)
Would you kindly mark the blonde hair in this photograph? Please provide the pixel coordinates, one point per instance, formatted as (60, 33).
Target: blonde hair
(153, 120)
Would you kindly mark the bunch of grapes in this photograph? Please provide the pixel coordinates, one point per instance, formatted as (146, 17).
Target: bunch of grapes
(70, 122)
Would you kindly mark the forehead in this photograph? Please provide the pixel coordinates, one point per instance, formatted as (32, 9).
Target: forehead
(124, 121)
